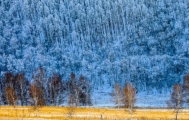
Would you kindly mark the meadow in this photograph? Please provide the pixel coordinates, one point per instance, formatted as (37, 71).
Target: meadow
(66, 113)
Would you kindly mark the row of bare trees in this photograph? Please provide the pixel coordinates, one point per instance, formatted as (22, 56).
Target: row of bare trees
(40, 91)
(14, 87)
(125, 97)
(79, 92)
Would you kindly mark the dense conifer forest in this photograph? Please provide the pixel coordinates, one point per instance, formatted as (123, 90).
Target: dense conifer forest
(144, 42)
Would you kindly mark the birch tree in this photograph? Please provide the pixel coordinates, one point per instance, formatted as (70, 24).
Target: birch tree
(36, 95)
(117, 95)
(11, 96)
(22, 87)
(129, 94)
(176, 101)
(55, 89)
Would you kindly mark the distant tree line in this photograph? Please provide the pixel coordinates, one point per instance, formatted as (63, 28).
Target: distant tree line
(17, 90)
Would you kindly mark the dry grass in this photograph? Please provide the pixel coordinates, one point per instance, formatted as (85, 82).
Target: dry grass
(63, 113)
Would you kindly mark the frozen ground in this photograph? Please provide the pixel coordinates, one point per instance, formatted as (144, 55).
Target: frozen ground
(152, 100)
(102, 98)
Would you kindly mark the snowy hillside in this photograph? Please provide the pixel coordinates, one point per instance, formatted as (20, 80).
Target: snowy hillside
(108, 41)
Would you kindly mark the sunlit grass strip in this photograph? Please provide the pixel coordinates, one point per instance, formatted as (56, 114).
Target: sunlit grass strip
(63, 113)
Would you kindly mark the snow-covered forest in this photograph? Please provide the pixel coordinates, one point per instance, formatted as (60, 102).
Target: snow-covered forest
(144, 42)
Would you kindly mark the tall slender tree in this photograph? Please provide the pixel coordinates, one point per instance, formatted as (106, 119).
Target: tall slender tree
(84, 91)
(10, 96)
(73, 90)
(55, 89)
(129, 98)
(22, 87)
(117, 95)
(176, 100)
(37, 89)
(36, 95)
(186, 89)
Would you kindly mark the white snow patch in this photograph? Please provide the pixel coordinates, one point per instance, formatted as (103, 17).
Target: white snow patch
(101, 97)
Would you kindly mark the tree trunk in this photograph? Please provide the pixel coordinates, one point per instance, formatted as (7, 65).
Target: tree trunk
(14, 103)
(22, 98)
(131, 112)
(35, 103)
(176, 115)
(131, 115)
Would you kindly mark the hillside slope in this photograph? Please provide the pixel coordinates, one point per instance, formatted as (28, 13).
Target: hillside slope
(143, 42)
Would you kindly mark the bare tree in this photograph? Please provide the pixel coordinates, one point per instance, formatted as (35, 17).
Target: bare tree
(16, 83)
(176, 100)
(84, 91)
(10, 96)
(71, 102)
(73, 90)
(36, 95)
(55, 89)
(8, 80)
(39, 77)
(79, 91)
(186, 88)
(1, 91)
(38, 91)
(129, 99)
(71, 108)
(117, 95)
(22, 87)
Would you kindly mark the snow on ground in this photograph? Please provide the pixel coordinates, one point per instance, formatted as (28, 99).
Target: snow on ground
(101, 97)
(152, 100)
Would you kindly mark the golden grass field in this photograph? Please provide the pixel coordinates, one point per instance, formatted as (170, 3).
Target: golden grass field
(63, 113)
